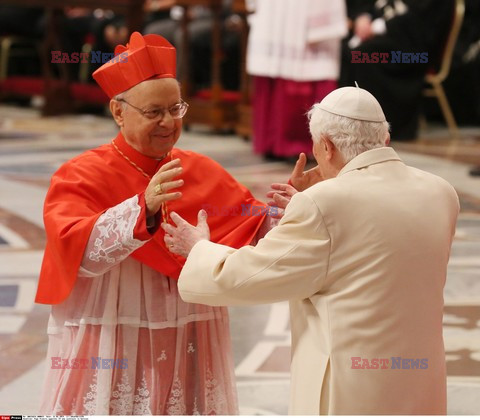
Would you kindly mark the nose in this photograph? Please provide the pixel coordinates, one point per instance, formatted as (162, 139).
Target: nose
(166, 120)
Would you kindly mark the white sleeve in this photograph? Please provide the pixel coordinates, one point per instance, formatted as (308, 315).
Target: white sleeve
(326, 20)
(291, 262)
(112, 239)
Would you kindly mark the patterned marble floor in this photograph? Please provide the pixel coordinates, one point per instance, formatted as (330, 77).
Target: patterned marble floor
(31, 148)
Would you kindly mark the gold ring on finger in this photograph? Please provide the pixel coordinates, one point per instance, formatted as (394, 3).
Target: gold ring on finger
(158, 189)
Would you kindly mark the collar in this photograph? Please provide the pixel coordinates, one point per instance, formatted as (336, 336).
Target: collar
(148, 164)
(370, 157)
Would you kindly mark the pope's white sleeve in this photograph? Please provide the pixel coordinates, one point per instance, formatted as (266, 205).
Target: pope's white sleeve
(291, 262)
(112, 239)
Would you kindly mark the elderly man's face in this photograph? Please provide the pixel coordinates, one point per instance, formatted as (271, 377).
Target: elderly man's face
(153, 138)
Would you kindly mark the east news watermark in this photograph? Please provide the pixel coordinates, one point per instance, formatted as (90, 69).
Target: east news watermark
(240, 210)
(388, 363)
(88, 363)
(393, 57)
(94, 57)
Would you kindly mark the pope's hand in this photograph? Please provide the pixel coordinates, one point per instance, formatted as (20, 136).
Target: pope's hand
(281, 195)
(180, 239)
(161, 182)
(302, 179)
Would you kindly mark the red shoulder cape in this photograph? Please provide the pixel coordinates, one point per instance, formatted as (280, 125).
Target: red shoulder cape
(86, 186)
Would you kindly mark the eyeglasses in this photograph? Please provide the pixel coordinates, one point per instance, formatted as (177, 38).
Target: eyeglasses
(176, 111)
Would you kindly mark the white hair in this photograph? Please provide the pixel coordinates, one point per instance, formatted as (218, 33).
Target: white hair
(350, 137)
(120, 97)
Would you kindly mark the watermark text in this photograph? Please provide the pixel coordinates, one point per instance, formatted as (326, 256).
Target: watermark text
(241, 210)
(91, 363)
(393, 57)
(95, 57)
(388, 363)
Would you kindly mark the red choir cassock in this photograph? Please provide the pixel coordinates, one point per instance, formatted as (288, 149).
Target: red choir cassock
(86, 186)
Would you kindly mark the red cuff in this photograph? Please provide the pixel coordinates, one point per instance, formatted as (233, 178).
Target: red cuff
(140, 230)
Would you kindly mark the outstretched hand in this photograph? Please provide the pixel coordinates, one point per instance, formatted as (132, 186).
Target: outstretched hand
(281, 195)
(180, 239)
(301, 179)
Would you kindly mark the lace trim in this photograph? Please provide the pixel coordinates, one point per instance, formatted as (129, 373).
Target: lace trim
(141, 402)
(115, 228)
(90, 400)
(216, 403)
(125, 401)
(176, 402)
(122, 401)
(215, 399)
(111, 240)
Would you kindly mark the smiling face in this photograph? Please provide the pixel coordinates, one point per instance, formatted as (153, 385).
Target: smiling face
(152, 138)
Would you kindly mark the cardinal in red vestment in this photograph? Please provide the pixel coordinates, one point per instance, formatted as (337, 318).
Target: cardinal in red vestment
(121, 340)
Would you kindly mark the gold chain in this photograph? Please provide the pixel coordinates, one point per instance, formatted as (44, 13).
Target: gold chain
(163, 206)
(131, 162)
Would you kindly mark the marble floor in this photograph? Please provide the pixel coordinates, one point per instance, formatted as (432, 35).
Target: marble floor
(31, 148)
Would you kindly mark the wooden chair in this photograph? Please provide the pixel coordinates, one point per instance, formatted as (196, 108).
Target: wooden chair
(15, 46)
(435, 79)
(214, 107)
(243, 126)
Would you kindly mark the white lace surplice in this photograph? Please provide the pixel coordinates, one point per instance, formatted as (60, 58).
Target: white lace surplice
(125, 341)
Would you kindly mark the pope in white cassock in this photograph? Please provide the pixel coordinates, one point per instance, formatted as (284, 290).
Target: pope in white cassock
(361, 253)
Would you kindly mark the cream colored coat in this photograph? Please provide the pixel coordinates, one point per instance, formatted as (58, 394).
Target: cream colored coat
(362, 258)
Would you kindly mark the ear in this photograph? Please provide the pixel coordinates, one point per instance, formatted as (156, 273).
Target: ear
(387, 140)
(315, 147)
(117, 109)
(330, 148)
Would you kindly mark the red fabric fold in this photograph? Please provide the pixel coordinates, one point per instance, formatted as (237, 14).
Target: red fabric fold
(85, 187)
